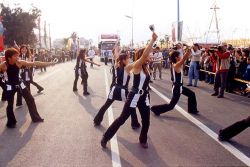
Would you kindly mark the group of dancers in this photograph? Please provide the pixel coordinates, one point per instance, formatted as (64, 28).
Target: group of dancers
(138, 96)
(18, 62)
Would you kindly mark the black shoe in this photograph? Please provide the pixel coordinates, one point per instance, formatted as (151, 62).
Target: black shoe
(220, 96)
(11, 126)
(86, 93)
(136, 126)
(189, 85)
(150, 81)
(215, 94)
(96, 123)
(221, 138)
(40, 90)
(75, 89)
(103, 143)
(194, 112)
(155, 112)
(38, 120)
(144, 145)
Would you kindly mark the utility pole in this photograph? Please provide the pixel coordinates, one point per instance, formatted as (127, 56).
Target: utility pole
(178, 20)
(39, 30)
(49, 38)
(214, 8)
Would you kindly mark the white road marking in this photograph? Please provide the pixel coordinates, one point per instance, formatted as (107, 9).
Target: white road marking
(237, 153)
(116, 162)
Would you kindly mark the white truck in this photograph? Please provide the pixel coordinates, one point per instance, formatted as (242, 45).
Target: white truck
(106, 44)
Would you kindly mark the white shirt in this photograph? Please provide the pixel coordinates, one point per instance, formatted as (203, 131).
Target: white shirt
(181, 52)
(158, 57)
(196, 56)
(91, 53)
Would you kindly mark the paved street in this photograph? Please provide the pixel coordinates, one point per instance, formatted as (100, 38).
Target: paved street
(68, 137)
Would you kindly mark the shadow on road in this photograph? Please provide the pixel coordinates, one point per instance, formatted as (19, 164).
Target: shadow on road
(148, 157)
(87, 104)
(12, 141)
(123, 161)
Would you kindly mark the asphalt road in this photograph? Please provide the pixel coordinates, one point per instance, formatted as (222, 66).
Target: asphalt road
(68, 137)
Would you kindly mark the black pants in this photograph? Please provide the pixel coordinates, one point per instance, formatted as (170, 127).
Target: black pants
(30, 103)
(192, 104)
(234, 129)
(19, 100)
(220, 82)
(106, 60)
(126, 112)
(99, 116)
(43, 69)
(84, 76)
(91, 65)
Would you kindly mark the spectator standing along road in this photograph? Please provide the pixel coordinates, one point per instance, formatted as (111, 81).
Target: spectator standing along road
(91, 55)
(193, 72)
(222, 67)
(157, 62)
(106, 55)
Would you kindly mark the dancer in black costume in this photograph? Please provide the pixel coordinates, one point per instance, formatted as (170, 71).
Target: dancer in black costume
(14, 84)
(26, 72)
(234, 129)
(119, 87)
(80, 70)
(137, 97)
(178, 88)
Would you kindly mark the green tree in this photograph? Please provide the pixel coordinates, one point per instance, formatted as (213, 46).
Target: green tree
(19, 25)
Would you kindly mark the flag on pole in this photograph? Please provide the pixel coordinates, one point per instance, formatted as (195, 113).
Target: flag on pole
(173, 33)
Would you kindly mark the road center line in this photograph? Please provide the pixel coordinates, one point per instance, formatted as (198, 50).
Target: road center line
(116, 162)
(237, 153)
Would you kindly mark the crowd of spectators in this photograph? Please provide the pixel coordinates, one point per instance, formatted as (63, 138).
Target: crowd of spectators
(223, 66)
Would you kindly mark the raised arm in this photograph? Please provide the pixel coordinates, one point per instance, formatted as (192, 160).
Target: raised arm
(116, 53)
(179, 64)
(146, 52)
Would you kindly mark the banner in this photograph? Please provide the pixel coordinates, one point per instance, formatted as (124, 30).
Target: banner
(1, 35)
(173, 33)
(180, 26)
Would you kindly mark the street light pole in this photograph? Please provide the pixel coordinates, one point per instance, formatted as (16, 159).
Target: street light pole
(132, 22)
(178, 20)
(132, 33)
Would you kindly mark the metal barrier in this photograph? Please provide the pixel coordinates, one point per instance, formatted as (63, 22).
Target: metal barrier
(236, 79)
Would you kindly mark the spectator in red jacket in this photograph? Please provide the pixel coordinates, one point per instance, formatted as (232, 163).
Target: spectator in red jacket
(222, 68)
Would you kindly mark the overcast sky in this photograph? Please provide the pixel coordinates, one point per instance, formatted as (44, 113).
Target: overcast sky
(90, 18)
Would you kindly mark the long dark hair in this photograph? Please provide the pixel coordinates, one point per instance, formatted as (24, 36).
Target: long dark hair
(28, 54)
(138, 55)
(121, 58)
(173, 57)
(82, 53)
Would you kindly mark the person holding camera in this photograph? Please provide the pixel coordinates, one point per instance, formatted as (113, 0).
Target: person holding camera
(222, 68)
(193, 72)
